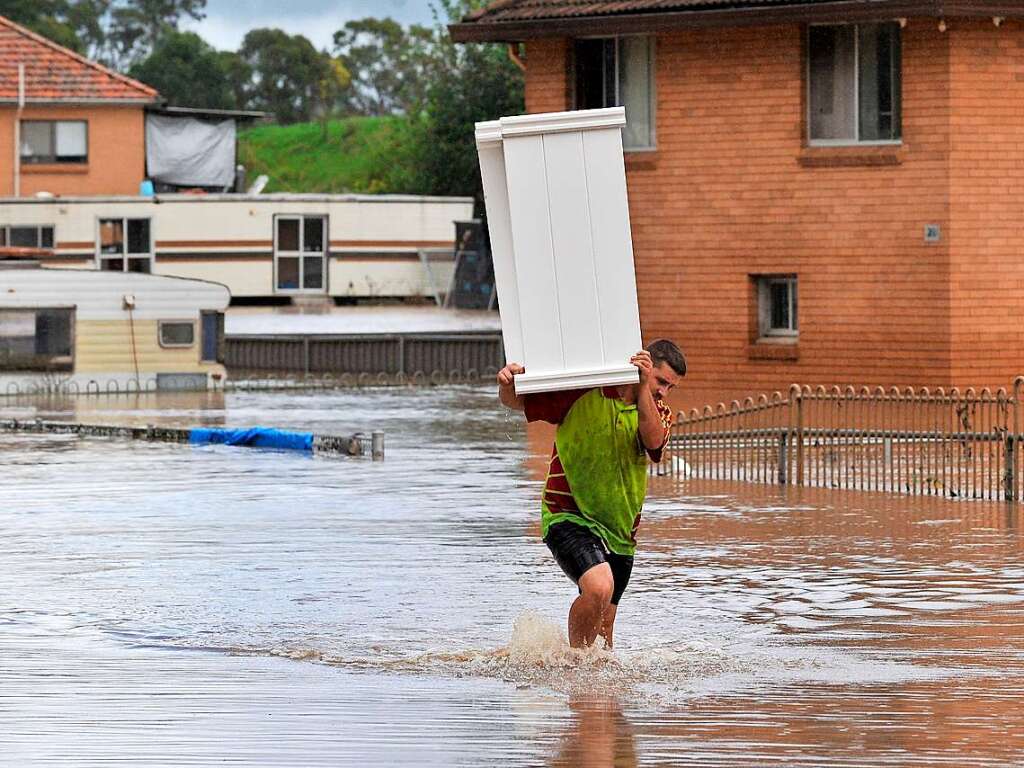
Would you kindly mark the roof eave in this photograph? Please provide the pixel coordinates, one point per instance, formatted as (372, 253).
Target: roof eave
(65, 102)
(635, 23)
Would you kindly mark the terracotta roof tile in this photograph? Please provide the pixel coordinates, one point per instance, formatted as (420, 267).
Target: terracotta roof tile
(530, 10)
(55, 74)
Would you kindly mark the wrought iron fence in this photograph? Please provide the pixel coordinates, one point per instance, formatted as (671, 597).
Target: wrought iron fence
(953, 443)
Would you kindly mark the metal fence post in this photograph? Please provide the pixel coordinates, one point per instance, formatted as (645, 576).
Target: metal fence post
(796, 422)
(783, 457)
(305, 354)
(1012, 459)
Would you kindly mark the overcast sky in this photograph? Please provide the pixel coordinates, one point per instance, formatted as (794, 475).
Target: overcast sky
(227, 21)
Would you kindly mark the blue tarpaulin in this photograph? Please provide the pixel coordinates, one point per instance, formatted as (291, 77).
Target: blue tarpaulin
(257, 437)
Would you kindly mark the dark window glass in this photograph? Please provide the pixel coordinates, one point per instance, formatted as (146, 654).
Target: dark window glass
(879, 71)
(138, 236)
(177, 334)
(46, 237)
(595, 73)
(313, 272)
(780, 305)
(213, 334)
(112, 265)
(139, 265)
(313, 234)
(53, 332)
(24, 237)
(288, 273)
(287, 234)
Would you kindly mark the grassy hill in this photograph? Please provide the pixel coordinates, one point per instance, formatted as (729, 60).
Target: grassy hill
(360, 154)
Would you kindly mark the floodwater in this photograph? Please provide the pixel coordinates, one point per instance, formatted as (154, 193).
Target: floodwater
(175, 605)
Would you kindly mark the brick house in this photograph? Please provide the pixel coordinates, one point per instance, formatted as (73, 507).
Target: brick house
(80, 127)
(820, 192)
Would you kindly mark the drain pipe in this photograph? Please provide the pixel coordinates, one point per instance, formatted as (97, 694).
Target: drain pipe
(17, 130)
(513, 54)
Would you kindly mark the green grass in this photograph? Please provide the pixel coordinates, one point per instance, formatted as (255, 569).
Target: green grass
(360, 154)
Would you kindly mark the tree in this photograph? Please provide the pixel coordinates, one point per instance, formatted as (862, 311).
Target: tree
(288, 74)
(388, 63)
(187, 72)
(136, 26)
(468, 83)
(75, 24)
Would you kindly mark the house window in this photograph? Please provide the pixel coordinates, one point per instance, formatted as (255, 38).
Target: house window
(853, 83)
(27, 236)
(213, 337)
(177, 333)
(36, 339)
(125, 245)
(777, 306)
(300, 251)
(619, 72)
(54, 141)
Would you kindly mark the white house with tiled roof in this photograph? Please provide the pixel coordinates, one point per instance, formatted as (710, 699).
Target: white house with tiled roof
(67, 124)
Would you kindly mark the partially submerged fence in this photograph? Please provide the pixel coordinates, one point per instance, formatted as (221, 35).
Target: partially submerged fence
(465, 354)
(953, 443)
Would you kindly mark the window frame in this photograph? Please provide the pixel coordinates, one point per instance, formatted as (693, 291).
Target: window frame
(764, 307)
(856, 142)
(302, 254)
(219, 356)
(161, 324)
(124, 255)
(652, 77)
(53, 159)
(5, 235)
(57, 363)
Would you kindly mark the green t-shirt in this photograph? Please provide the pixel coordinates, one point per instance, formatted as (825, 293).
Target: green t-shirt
(598, 472)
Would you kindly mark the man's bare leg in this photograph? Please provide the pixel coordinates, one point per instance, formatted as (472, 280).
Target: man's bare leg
(587, 613)
(608, 624)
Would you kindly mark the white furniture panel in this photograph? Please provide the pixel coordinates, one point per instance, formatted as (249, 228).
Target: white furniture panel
(492, 171)
(560, 237)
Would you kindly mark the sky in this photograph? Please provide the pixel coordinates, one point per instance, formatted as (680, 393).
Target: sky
(227, 21)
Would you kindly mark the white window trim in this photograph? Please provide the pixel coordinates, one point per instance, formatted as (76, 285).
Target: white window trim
(101, 257)
(653, 77)
(764, 309)
(300, 254)
(812, 142)
(167, 345)
(38, 227)
(27, 159)
(68, 360)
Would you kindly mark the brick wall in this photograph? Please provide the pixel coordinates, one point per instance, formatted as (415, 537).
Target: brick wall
(732, 191)
(117, 153)
(986, 235)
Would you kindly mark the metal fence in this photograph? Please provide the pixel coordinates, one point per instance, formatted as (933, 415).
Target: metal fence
(953, 443)
(469, 355)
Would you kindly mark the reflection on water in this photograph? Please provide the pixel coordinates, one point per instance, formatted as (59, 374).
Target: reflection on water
(166, 604)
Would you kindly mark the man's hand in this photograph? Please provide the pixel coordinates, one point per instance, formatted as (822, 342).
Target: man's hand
(642, 360)
(506, 388)
(505, 374)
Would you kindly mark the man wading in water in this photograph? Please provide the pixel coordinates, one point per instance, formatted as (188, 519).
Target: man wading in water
(597, 478)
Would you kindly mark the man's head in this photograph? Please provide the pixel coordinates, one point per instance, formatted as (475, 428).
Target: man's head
(669, 367)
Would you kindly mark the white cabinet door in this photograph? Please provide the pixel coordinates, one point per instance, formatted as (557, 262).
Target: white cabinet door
(555, 191)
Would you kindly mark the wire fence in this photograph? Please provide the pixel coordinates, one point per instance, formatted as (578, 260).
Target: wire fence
(953, 443)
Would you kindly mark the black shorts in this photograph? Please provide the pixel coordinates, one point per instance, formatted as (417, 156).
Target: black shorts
(578, 549)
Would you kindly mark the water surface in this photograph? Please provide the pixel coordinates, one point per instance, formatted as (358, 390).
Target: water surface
(169, 605)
